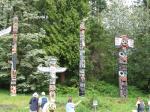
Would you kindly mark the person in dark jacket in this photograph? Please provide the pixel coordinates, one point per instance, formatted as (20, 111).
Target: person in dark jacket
(142, 106)
(138, 104)
(42, 101)
(149, 104)
(34, 103)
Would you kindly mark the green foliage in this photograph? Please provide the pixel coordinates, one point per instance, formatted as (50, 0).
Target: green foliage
(105, 102)
(29, 44)
(101, 87)
(5, 46)
(134, 22)
(51, 28)
(64, 90)
(139, 62)
(136, 93)
(97, 6)
(147, 3)
(83, 108)
(101, 52)
(62, 30)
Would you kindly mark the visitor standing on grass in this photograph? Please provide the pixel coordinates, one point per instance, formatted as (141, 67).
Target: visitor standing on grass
(70, 106)
(142, 106)
(138, 104)
(42, 101)
(34, 103)
(149, 104)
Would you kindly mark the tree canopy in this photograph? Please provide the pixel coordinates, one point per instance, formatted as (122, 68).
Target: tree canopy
(51, 28)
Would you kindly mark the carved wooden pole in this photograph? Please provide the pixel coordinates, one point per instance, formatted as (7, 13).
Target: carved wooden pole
(123, 43)
(82, 61)
(14, 57)
(52, 84)
(52, 69)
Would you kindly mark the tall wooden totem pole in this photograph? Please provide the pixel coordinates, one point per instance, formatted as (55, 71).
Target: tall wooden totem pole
(14, 57)
(82, 61)
(123, 43)
(52, 84)
(52, 69)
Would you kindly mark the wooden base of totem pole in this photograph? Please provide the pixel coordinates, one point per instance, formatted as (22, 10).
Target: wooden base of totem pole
(123, 87)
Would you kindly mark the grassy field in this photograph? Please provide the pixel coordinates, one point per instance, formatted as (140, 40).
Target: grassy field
(106, 103)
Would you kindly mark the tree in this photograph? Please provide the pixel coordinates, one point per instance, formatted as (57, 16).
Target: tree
(134, 22)
(147, 3)
(101, 52)
(61, 21)
(29, 52)
(62, 28)
(97, 6)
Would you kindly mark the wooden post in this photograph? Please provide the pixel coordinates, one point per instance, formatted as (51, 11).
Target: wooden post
(52, 69)
(82, 61)
(52, 85)
(14, 57)
(123, 43)
(62, 77)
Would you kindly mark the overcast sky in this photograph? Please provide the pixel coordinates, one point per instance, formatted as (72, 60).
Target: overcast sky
(125, 2)
(128, 2)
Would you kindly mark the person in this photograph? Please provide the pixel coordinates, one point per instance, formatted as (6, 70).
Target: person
(142, 106)
(149, 104)
(34, 103)
(42, 101)
(70, 106)
(138, 104)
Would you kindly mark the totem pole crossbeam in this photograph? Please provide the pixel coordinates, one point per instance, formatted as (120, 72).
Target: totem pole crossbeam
(123, 43)
(53, 69)
(5, 31)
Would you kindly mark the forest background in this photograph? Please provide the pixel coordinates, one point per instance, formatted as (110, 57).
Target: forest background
(51, 28)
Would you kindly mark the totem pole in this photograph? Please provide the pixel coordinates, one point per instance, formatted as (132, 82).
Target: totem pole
(123, 43)
(53, 69)
(82, 61)
(14, 57)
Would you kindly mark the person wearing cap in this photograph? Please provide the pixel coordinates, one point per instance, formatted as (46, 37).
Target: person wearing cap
(34, 103)
(42, 101)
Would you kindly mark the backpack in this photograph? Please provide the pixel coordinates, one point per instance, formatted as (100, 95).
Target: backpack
(142, 106)
(34, 104)
(44, 100)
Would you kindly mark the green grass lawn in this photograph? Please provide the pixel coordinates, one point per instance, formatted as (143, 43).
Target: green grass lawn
(106, 103)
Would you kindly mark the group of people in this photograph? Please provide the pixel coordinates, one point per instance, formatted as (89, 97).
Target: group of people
(37, 103)
(141, 105)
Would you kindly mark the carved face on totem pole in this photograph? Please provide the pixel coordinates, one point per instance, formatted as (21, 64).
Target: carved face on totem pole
(51, 107)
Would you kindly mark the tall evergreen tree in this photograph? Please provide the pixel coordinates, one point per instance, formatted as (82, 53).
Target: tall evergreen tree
(61, 21)
(62, 28)
(28, 44)
(134, 22)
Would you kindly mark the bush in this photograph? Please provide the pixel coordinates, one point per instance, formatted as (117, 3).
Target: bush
(103, 88)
